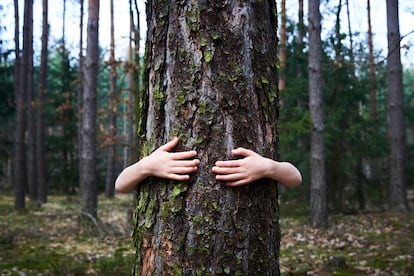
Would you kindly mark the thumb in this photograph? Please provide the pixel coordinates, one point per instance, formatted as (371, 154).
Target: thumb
(170, 145)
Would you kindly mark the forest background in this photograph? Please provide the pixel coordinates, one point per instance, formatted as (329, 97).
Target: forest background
(354, 185)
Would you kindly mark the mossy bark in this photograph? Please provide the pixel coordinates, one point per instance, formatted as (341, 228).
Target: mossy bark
(210, 79)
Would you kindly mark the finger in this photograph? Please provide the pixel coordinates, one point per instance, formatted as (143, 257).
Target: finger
(183, 170)
(242, 152)
(225, 170)
(178, 177)
(186, 163)
(229, 177)
(183, 155)
(228, 163)
(237, 183)
(170, 145)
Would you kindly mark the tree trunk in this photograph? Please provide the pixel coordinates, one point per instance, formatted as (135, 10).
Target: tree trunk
(31, 118)
(129, 128)
(318, 212)
(81, 72)
(41, 195)
(372, 86)
(24, 76)
(299, 39)
(87, 170)
(337, 183)
(373, 163)
(211, 80)
(398, 181)
(282, 51)
(113, 106)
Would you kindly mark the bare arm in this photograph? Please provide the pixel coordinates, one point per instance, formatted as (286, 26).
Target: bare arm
(161, 163)
(253, 167)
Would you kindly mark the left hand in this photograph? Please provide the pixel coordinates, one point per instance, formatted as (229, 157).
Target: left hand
(242, 171)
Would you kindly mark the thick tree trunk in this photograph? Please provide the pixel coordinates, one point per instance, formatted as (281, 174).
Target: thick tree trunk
(211, 79)
(113, 106)
(319, 210)
(398, 181)
(87, 170)
(41, 194)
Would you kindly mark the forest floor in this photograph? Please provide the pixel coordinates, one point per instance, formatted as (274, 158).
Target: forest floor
(51, 240)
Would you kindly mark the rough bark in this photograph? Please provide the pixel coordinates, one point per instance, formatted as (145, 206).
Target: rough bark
(41, 195)
(211, 80)
(113, 106)
(87, 170)
(398, 174)
(318, 212)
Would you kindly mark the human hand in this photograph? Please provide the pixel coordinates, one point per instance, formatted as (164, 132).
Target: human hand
(161, 163)
(170, 165)
(242, 171)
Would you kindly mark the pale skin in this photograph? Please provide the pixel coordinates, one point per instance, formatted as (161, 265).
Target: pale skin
(179, 165)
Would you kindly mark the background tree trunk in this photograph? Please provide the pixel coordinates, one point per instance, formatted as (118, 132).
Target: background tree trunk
(17, 83)
(282, 51)
(81, 73)
(319, 212)
(372, 85)
(20, 159)
(113, 106)
(398, 181)
(41, 166)
(211, 79)
(87, 170)
(31, 111)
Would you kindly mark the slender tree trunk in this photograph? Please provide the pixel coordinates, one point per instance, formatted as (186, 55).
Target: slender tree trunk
(301, 57)
(136, 86)
(318, 212)
(88, 177)
(20, 174)
(372, 85)
(16, 78)
(351, 44)
(31, 118)
(81, 72)
(373, 163)
(337, 183)
(299, 38)
(113, 107)
(282, 51)
(40, 114)
(211, 79)
(398, 181)
(129, 129)
(25, 81)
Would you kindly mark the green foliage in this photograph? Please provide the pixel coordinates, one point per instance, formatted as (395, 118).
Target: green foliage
(408, 79)
(61, 120)
(351, 137)
(7, 112)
